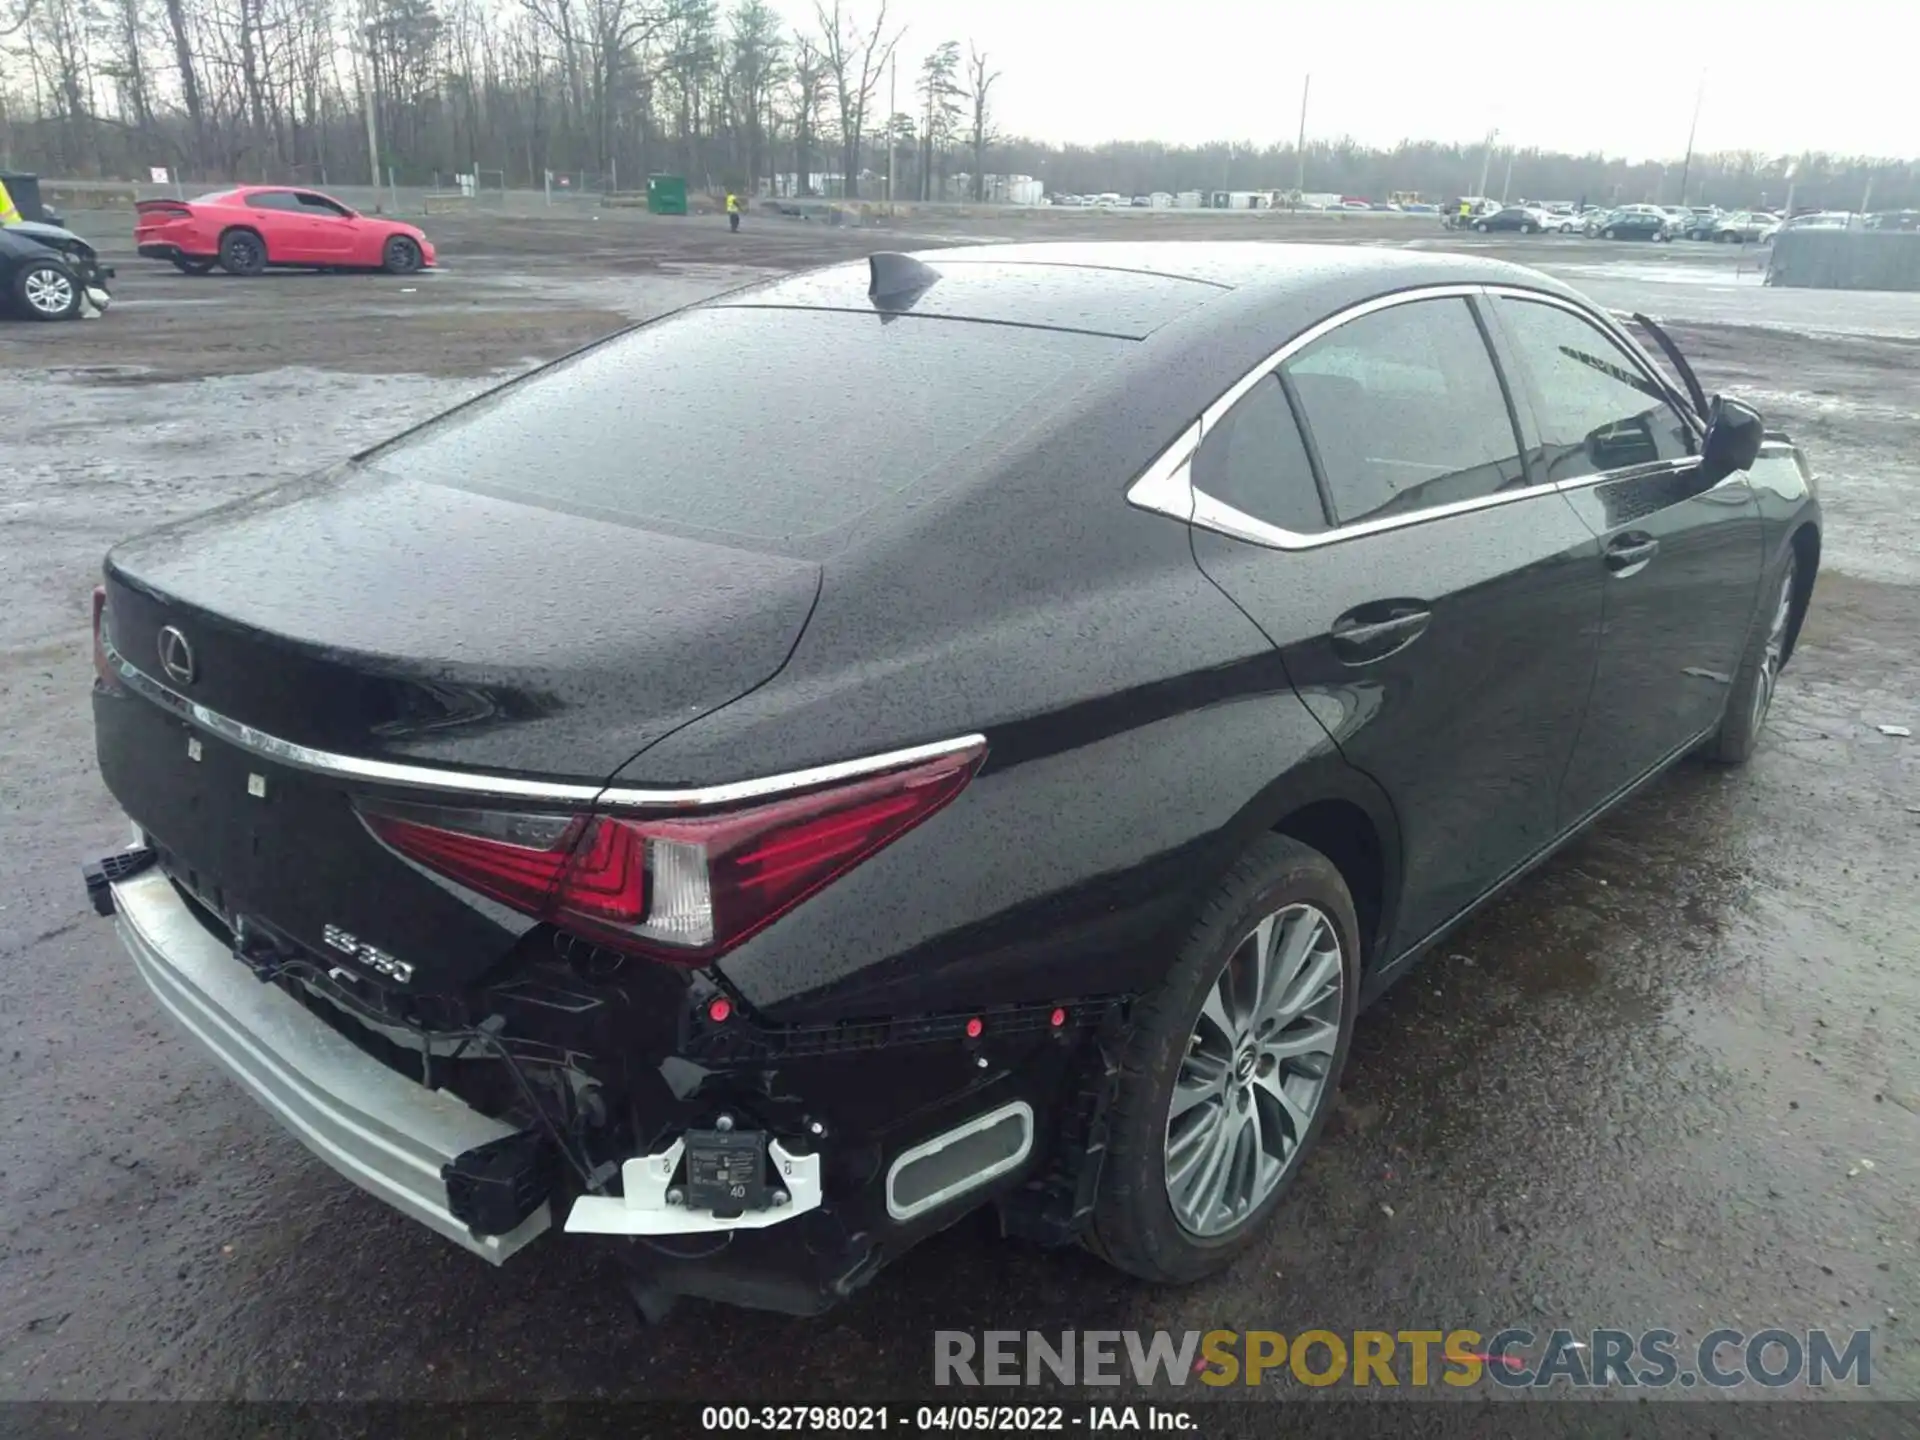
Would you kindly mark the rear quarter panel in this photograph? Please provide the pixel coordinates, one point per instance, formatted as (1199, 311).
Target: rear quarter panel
(1139, 734)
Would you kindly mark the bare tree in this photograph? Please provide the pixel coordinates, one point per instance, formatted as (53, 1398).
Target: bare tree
(979, 83)
(809, 95)
(756, 55)
(856, 64)
(939, 86)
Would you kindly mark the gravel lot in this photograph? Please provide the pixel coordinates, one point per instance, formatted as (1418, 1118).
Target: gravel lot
(1643, 1090)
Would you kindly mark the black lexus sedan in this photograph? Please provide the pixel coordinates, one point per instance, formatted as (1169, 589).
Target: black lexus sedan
(957, 730)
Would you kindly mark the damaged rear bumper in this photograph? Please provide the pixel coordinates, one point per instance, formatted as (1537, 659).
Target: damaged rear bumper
(379, 1129)
(862, 1138)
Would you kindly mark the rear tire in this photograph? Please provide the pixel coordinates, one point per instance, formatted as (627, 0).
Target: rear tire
(193, 265)
(401, 256)
(1751, 698)
(1609, 234)
(1481, 227)
(47, 290)
(1255, 1068)
(243, 253)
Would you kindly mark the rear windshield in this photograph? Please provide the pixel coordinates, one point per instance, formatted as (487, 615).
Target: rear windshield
(761, 424)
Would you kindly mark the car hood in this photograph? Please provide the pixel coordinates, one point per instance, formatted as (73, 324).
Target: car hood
(52, 236)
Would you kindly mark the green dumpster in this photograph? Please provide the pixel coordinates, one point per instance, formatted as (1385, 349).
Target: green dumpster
(666, 195)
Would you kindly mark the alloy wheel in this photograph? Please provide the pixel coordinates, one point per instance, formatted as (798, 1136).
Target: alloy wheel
(1255, 1070)
(1774, 655)
(48, 291)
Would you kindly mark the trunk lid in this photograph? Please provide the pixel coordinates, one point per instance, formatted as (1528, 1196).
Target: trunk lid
(404, 622)
(401, 620)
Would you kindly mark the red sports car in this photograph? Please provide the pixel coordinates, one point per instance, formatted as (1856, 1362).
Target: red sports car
(248, 228)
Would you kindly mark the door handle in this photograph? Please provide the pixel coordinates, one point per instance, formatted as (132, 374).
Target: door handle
(1630, 551)
(1358, 640)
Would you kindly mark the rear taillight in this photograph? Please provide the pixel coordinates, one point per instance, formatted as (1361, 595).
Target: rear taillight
(102, 667)
(687, 886)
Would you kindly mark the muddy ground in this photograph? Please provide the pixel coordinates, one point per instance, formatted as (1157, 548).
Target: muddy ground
(1671, 1080)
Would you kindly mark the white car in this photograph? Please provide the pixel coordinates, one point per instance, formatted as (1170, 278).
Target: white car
(1745, 227)
(1821, 220)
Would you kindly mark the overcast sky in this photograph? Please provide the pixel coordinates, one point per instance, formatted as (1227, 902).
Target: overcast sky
(1618, 77)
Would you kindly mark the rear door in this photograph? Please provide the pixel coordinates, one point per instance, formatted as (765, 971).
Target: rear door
(1680, 563)
(1368, 505)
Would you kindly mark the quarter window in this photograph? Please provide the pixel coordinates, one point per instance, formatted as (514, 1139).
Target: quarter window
(1405, 411)
(1596, 408)
(1255, 461)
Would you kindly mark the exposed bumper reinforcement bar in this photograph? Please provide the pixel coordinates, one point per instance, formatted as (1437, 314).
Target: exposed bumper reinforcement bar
(382, 1131)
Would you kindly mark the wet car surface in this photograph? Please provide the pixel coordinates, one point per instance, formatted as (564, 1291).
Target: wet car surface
(1637, 1091)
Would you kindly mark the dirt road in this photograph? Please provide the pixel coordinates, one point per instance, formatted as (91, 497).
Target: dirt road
(1672, 1080)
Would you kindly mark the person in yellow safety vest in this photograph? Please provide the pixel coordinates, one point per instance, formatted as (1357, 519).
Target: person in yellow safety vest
(9, 212)
(733, 211)
(1466, 213)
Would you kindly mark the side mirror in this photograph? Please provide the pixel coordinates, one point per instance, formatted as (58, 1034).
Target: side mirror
(1734, 433)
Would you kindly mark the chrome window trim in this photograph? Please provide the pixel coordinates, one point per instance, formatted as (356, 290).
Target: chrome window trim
(514, 787)
(1166, 486)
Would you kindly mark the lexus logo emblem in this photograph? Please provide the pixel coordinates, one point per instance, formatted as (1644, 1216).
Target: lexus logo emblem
(176, 656)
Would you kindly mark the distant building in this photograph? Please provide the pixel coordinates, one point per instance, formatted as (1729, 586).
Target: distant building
(998, 189)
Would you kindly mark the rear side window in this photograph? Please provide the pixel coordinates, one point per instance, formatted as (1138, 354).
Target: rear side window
(1596, 409)
(1406, 412)
(1255, 461)
(760, 424)
(272, 200)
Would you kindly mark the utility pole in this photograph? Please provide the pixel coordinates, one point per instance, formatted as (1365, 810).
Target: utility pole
(1507, 184)
(373, 136)
(1486, 162)
(1687, 164)
(1300, 180)
(893, 136)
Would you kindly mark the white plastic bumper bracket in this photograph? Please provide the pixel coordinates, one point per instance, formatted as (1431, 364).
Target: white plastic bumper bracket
(645, 1210)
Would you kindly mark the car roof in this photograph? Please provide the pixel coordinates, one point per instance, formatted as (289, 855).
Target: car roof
(1134, 289)
(1192, 318)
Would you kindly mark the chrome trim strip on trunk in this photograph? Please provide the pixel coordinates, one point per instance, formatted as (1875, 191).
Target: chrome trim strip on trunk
(514, 787)
(382, 1131)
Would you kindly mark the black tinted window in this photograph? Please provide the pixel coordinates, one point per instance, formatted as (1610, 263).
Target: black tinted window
(1406, 411)
(1596, 408)
(320, 205)
(1255, 460)
(272, 200)
(758, 423)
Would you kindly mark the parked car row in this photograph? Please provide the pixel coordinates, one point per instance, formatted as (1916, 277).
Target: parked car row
(1621, 222)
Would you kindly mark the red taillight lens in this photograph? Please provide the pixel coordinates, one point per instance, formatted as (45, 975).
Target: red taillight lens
(102, 667)
(754, 865)
(515, 859)
(686, 887)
